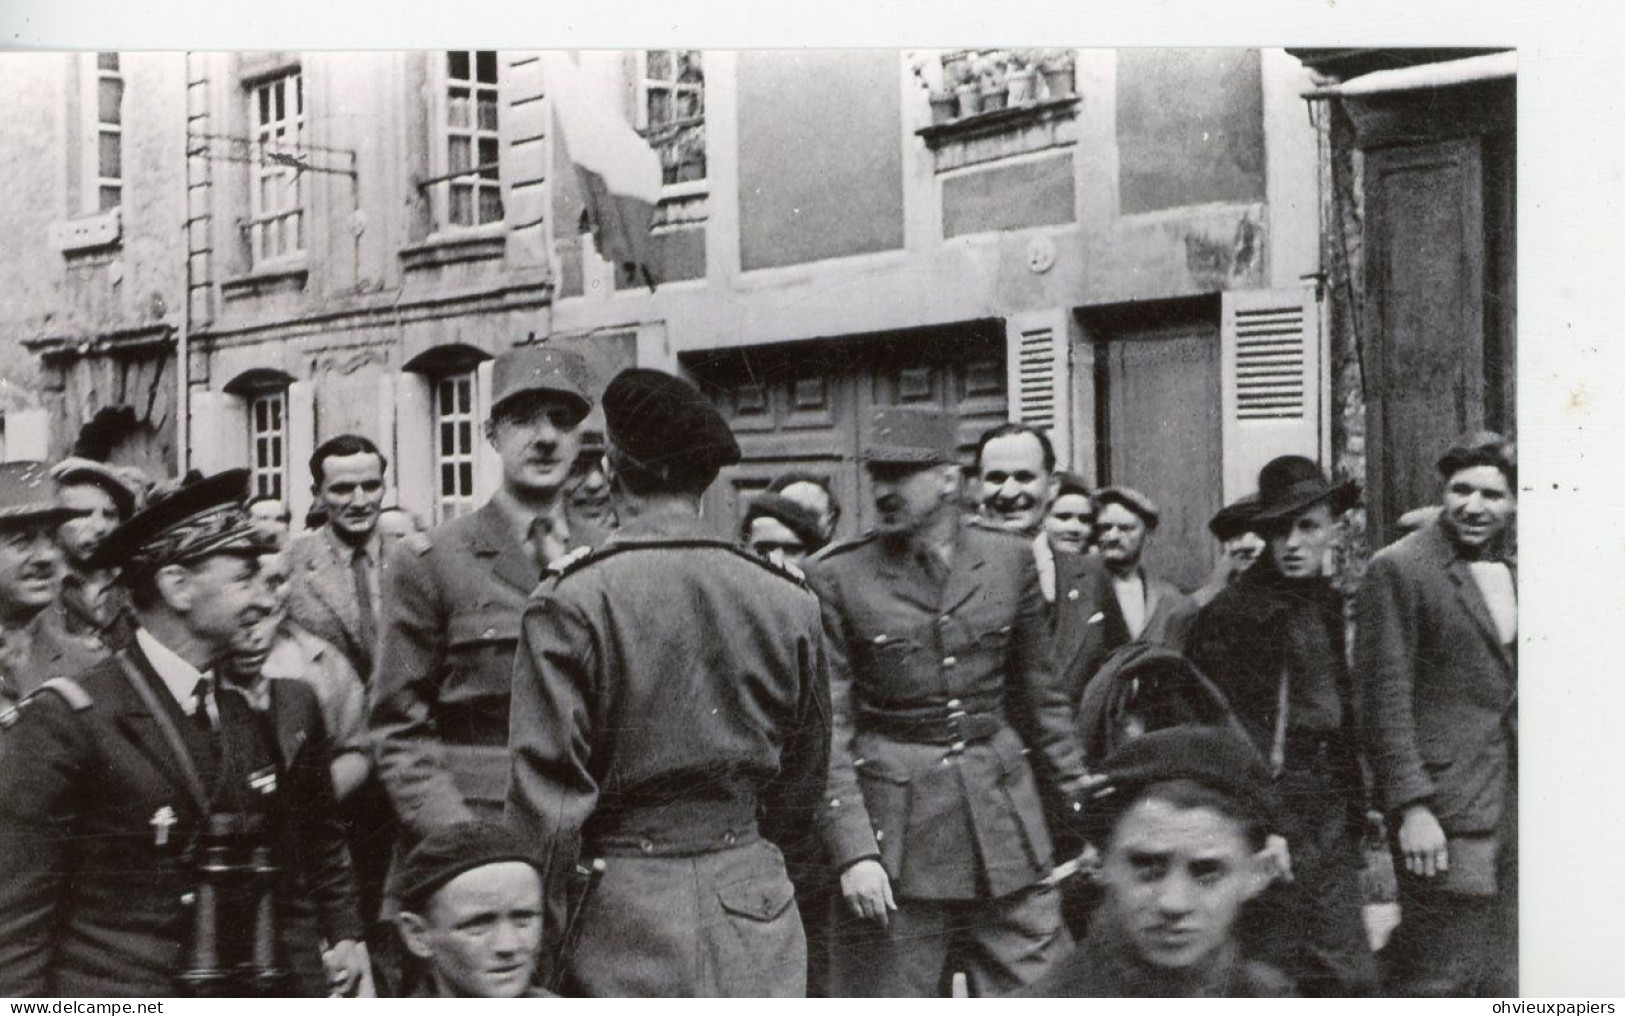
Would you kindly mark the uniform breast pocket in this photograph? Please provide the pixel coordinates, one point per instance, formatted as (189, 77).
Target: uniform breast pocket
(476, 640)
(889, 652)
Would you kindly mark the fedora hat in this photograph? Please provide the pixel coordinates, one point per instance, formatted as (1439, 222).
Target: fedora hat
(1292, 484)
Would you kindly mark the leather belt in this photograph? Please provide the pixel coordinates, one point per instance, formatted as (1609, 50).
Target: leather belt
(671, 829)
(951, 728)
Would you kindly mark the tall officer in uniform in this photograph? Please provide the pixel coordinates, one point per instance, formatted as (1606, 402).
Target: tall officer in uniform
(671, 720)
(111, 780)
(942, 683)
(452, 601)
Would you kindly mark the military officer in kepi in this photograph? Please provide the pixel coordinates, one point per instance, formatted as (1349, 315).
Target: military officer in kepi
(942, 684)
(158, 835)
(670, 726)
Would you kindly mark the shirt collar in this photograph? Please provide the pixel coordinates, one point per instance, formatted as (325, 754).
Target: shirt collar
(179, 677)
(346, 551)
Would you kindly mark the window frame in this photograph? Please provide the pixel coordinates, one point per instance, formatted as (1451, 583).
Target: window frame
(681, 188)
(276, 435)
(260, 220)
(465, 461)
(442, 131)
(92, 181)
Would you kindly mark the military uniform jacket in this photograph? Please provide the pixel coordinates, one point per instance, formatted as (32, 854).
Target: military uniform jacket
(96, 820)
(438, 707)
(947, 821)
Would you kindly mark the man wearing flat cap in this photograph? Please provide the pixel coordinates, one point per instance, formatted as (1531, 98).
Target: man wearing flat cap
(670, 719)
(102, 497)
(35, 644)
(942, 684)
(1437, 661)
(112, 781)
(452, 599)
(1181, 816)
(1273, 642)
(1239, 546)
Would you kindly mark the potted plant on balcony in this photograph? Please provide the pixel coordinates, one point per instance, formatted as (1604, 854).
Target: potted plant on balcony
(1057, 66)
(966, 89)
(991, 70)
(1021, 78)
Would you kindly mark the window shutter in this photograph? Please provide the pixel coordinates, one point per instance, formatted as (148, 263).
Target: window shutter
(27, 435)
(219, 431)
(1271, 382)
(487, 466)
(1035, 386)
(414, 444)
(300, 443)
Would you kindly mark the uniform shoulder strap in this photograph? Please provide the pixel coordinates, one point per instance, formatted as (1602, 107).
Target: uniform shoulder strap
(72, 692)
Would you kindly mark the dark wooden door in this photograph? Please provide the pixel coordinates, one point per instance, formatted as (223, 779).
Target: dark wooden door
(1164, 438)
(807, 407)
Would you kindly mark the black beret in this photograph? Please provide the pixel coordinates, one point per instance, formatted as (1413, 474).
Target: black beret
(452, 850)
(1234, 519)
(1214, 757)
(794, 516)
(665, 425)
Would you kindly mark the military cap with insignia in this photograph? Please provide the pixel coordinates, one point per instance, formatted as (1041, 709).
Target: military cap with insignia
(28, 497)
(664, 426)
(541, 369)
(912, 435)
(184, 525)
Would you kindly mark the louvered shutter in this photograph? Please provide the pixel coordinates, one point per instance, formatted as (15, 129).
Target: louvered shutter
(1271, 383)
(1039, 374)
(1036, 377)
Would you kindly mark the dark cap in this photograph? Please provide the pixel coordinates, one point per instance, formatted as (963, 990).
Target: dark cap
(1213, 757)
(541, 369)
(1234, 519)
(1483, 448)
(77, 470)
(189, 523)
(28, 496)
(912, 435)
(1290, 485)
(453, 850)
(795, 517)
(665, 425)
(1131, 499)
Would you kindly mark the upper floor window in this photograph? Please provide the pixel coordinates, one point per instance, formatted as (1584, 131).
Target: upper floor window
(473, 144)
(672, 111)
(454, 447)
(268, 442)
(276, 191)
(104, 188)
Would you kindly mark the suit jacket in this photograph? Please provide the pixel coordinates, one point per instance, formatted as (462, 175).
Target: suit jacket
(92, 901)
(905, 648)
(1089, 624)
(438, 701)
(1436, 688)
(322, 597)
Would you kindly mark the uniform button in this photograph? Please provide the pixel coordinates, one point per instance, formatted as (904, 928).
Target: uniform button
(834, 802)
(1072, 594)
(490, 633)
(945, 620)
(953, 703)
(880, 834)
(728, 838)
(881, 640)
(648, 848)
(948, 661)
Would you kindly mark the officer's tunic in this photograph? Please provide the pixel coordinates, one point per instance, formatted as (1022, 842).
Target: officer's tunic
(98, 828)
(670, 716)
(940, 690)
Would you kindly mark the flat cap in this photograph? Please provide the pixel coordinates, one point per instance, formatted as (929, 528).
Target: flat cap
(793, 516)
(188, 523)
(912, 435)
(28, 496)
(117, 484)
(665, 425)
(1234, 519)
(1213, 757)
(453, 850)
(541, 369)
(1131, 499)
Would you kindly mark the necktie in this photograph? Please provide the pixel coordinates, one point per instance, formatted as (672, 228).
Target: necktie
(200, 704)
(363, 599)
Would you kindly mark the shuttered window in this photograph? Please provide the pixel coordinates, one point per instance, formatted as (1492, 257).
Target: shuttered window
(1269, 364)
(1037, 377)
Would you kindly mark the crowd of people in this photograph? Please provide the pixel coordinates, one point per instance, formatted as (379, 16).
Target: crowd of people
(582, 741)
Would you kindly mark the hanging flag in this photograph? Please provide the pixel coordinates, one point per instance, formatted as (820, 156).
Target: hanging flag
(620, 174)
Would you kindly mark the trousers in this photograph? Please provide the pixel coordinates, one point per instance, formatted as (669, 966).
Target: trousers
(999, 944)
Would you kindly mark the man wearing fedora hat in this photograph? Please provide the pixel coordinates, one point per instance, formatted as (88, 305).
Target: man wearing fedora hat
(1273, 642)
(670, 721)
(452, 598)
(942, 685)
(35, 645)
(1437, 657)
(116, 786)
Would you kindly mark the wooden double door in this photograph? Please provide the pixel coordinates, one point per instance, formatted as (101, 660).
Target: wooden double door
(808, 406)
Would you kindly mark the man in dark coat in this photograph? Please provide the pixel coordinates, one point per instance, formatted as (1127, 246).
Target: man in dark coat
(102, 497)
(670, 720)
(110, 780)
(942, 684)
(1437, 661)
(1273, 642)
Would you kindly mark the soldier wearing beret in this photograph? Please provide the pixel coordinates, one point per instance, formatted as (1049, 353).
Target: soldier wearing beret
(670, 719)
(942, 684)
(124, 788)
(1181, 817)
(452, 600)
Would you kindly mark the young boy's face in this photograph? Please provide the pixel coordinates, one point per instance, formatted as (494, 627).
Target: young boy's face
(481, 931)
(1177, 878)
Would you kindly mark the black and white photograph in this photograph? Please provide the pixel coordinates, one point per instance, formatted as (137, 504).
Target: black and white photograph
(767, 521)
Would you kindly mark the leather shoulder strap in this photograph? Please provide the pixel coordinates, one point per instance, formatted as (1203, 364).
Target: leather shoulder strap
(166, 727)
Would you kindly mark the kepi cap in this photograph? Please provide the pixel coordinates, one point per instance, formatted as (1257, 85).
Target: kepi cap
(912, 435)
(453, 850)
(665, 425)
(28, 496)
(191, 522)
(541, 369)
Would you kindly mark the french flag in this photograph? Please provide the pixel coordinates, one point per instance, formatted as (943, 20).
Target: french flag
(620, 174)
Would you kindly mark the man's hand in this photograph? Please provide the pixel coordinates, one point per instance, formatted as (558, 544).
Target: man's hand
(346, 965)
(868, 891)
(1278, 857)
(1422, 841)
